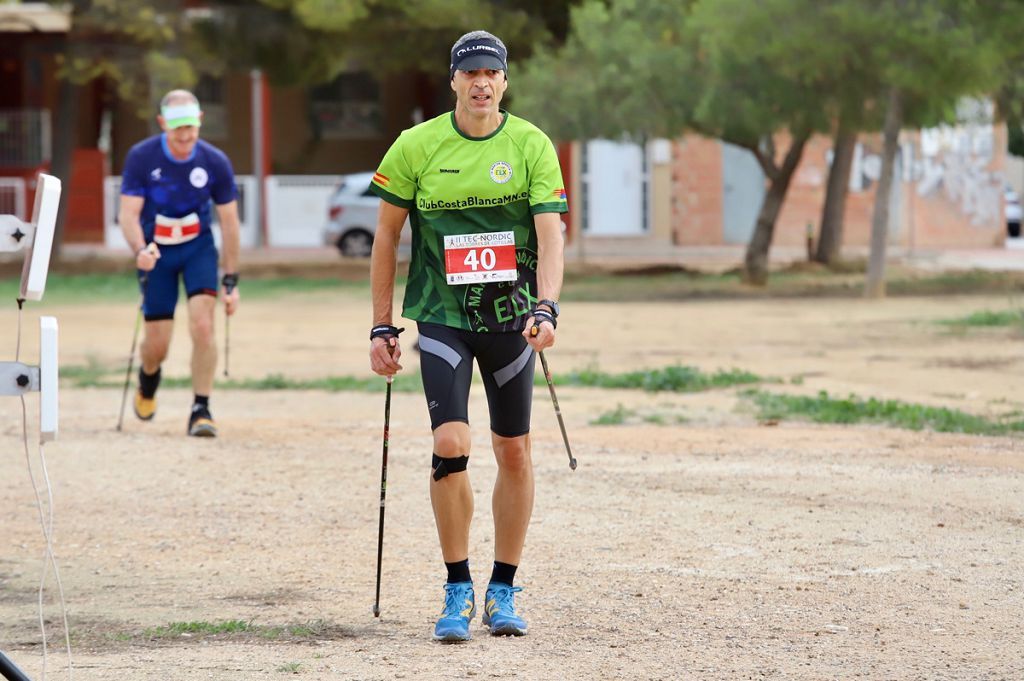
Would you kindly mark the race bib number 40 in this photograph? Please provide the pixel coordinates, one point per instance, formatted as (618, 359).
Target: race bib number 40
(480, 258)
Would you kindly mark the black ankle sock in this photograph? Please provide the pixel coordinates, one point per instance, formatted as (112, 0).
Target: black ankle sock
(148, 383)
(503, 573)
(202, 400)
(458, 572)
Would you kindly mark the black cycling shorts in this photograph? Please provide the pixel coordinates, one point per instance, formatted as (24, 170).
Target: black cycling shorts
(506, 364)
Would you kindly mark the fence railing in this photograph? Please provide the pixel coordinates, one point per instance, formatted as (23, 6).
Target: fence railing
(12, 197)
(296, 208)
(248, 212)
(25, 140)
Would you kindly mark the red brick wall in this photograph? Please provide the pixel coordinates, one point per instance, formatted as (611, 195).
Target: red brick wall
(697, 191)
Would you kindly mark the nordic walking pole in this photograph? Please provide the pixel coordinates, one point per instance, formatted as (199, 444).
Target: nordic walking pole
(227, 342)
(383, 481)
(383, 492)
(229, 286)
(143, 282)
(554, 400)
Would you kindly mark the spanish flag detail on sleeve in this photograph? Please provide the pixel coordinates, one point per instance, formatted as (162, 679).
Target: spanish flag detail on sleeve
(380, 179)
(559, 194)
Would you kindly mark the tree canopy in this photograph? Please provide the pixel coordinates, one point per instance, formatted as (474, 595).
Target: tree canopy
(755, 74)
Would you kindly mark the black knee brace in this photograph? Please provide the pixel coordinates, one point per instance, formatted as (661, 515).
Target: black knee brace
(442, 467)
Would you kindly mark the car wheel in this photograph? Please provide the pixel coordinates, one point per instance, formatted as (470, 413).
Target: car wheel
(356, 243)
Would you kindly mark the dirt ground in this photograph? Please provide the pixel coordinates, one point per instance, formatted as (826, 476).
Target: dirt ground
(714, 548)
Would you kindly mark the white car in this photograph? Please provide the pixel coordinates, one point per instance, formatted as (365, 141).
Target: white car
(352, 216)
(1013, 213)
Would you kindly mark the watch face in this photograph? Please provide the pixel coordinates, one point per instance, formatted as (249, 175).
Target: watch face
(552, 304)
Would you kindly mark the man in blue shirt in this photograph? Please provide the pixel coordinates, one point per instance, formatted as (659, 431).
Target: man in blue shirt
(167, 185)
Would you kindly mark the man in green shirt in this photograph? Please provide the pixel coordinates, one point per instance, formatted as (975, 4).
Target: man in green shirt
(483, 191)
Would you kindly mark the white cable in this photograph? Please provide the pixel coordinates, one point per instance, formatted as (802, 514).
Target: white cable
(53, 557)
(17, 347)
(39, 506)
(47, 527)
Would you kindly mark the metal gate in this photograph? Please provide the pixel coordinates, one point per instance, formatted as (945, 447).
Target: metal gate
(615, 189)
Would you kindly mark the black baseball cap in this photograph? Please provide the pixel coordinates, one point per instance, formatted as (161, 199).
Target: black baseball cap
(479, 53)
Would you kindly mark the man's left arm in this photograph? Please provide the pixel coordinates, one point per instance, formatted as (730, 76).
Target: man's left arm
(230, 233)
(550, 268)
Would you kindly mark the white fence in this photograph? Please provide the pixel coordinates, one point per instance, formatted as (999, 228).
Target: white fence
(12, 197)
(296, 210)
(248, 212)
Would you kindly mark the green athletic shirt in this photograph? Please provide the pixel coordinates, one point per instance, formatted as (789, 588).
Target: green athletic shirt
(454, 184)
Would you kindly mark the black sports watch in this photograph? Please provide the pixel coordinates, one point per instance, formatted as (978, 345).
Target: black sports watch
(552, 304)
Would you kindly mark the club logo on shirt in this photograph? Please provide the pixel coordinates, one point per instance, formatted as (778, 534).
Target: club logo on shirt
(154, 174)
(501, 172)
(198, 177)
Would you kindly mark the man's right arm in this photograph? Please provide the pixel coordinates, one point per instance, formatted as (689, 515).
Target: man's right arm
(131, 227)
(383, 265)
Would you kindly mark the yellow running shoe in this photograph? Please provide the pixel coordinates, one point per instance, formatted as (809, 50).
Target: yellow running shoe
(145, 407)
(200, 422)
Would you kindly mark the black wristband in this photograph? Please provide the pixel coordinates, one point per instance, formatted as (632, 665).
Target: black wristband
(552, 304)
(543, 316)
(385, 331)
(229, 282)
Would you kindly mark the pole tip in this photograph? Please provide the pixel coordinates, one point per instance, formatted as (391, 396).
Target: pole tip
(572, 464)
(376, 611)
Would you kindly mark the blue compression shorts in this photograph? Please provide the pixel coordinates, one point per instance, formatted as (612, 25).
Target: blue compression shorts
(194, 262)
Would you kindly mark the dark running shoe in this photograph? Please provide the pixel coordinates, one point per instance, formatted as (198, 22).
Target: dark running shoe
(200, 422)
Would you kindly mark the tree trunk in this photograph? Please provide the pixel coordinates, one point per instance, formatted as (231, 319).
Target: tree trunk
(830, 239)
(755, 269)
(65, 122)
(65, 139)
(874, 284)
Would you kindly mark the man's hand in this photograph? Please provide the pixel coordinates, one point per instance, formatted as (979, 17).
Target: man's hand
(385, 352)
(146, 257)
(539, 333)
(229, 284)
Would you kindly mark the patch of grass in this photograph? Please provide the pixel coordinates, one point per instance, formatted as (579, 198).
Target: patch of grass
(90, 288)
(623, 415)
(178, 629)
(797, 280)
(680, 379)
(615, 417)
(823, 408)
(234, 629)
(93, 375)
(987, 318)
(289, 668)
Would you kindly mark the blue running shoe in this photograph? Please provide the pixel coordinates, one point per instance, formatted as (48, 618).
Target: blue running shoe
(500, 611)
(459, 608)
